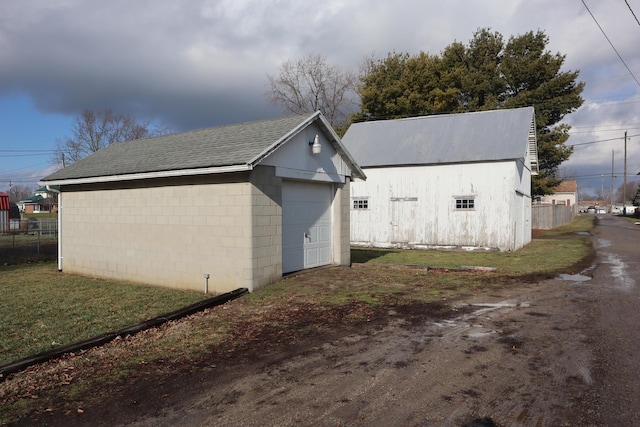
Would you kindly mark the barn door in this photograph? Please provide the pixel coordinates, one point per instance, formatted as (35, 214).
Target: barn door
(306, 225)
(403, 219)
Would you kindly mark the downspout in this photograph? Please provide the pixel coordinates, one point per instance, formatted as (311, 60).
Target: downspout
(49, 188)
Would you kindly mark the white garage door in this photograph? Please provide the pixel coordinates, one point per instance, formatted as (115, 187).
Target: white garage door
(306, 225)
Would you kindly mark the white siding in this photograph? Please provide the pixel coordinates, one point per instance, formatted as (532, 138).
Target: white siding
(294, 160)
(415, 206)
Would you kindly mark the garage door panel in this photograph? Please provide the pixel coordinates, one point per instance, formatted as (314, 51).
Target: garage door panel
(307, 225)
(311, 256)
(325, 256)
(324, 234)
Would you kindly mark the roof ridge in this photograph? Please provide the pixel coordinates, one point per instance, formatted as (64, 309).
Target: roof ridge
(440, 115)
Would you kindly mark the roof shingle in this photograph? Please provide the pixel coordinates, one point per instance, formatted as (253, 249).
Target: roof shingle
(205, 148)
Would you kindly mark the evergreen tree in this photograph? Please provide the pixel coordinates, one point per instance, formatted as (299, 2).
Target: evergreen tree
(636, 199)
(486, 74)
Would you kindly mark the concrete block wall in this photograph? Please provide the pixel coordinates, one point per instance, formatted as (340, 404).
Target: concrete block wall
(266, 223)
(342, 225)
(169, 234)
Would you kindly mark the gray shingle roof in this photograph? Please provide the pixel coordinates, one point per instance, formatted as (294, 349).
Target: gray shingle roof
(452, 138)
(206, 148)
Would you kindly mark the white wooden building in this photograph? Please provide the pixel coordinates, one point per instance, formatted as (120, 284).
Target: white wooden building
(444, 181)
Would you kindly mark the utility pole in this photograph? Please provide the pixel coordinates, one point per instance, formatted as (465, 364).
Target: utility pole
(612, 179)
(624, 187)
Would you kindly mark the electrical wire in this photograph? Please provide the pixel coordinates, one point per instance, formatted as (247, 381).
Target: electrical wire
(601, 140)
(631, 10)
(614, 48)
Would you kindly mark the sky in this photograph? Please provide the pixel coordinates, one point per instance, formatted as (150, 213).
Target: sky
(190, 64)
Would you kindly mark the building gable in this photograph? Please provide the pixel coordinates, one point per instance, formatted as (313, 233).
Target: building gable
(297, 159)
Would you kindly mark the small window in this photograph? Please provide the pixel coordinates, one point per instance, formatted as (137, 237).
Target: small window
(360, 204)
(466, 203)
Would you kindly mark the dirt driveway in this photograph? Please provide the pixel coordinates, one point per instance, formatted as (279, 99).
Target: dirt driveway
(537, 354)
(511, 358)
(517, 359)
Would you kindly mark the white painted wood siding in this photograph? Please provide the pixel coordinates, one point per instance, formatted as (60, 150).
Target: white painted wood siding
(415, 206)
(294, 160)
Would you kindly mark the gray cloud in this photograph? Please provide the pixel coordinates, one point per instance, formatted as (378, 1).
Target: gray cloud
(198, 63)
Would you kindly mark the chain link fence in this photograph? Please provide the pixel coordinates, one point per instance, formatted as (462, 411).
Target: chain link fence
(29, 239)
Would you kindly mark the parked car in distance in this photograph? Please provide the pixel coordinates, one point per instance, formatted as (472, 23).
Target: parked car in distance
(601, 211)
(591, 209)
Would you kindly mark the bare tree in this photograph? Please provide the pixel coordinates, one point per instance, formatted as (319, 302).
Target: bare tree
(311, 84)
(632, 187)
(19, 192)
(603, 193)
(93, 131)
(587, 195)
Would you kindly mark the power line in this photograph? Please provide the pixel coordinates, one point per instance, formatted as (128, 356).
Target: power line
(601, 140)
(599, 129)
(599, 176)
(27, 151)
(614, 48)
(631, 10)
(25, 155)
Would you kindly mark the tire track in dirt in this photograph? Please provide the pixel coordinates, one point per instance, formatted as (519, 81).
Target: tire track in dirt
(519, 360)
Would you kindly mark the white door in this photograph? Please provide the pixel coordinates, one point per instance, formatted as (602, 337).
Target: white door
(403, 219)
(306, 225)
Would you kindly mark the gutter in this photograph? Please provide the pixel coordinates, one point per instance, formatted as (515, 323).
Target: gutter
(150, 175)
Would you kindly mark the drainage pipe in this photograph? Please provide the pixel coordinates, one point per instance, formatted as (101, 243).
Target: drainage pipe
(50, 188)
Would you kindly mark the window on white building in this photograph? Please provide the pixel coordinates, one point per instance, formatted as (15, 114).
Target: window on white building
(465, 203)
(360, 203)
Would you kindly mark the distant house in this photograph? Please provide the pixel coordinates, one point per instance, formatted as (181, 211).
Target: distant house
(37, 204)
(42, 201)
(452, 181)
(566, 193)
(243, 204)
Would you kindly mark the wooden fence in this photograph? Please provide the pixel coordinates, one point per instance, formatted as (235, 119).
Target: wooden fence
(546, 217)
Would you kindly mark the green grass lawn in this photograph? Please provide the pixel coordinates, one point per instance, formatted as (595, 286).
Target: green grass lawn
(555, 250)
(42, 308)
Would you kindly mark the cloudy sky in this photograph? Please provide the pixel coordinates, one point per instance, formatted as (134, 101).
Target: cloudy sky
(190, 64)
